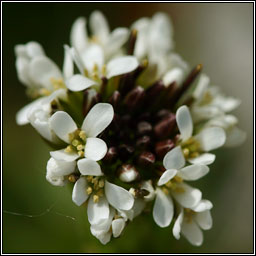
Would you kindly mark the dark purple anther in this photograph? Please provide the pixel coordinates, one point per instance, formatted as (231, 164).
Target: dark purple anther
(162, 147)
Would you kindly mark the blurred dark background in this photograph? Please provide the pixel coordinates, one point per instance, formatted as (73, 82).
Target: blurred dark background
(218, 35)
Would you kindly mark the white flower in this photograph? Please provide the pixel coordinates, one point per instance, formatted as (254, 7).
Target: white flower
(235, 136)
(99, 192)
(82, 142)
(110, 42)
(154, 42)
(209, 138)
(190, 222)
(40, 112)
(209, 102)
(173, 186)
(40, 74)
(92, 67)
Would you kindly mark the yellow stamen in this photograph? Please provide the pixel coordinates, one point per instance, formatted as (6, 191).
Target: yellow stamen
(186, 152)
(178, 179)
(96, 198)
(72, 178)
(80, 153)
(165, 190)
(100, 193)
(101, 183)
(89, 178)
(68, 149)
(179, 190)
(44, 92)
(82, 135)
(75, 143)
(104, 70)
(89, 190)
(80, 147)
(71, 136)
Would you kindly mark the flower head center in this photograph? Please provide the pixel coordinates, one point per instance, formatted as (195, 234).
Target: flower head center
(95, 187)
(191, 148)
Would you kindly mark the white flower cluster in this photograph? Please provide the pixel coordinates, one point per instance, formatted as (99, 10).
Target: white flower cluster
(130, 126)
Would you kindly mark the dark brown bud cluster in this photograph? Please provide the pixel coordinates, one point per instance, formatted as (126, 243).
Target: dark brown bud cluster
(144, 126)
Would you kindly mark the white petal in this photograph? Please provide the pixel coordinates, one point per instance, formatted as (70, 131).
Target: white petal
(147, 185)
(118, 197)
(20, 51)
(177, 225)
(174, 75)
(184, 122)
(201, 87)
(62, 124)
(205, 159)
(22, 114)
(116, 39)
(186, 195)
(42, 70)
(211, 138)
(60, 168)
(193, 172)
(78, 83)
(55, 180)
(174, 159)
(98, 119)
(226, 104)
(78, 36)
(192, 232)
(68, 66)
(204, 220)
(97, 211)
(203, 205)
(118, 226)
(163, 209)
(99, 26)
(235, 137)
(166, 176)
(121, 65)
(93, 55)
(63, 156)
(34, 49)
(138, 207)
(95, 149)
(201, 113)
(89, 167)
(79, 194)
(77, 59)
(102, 236)
(22, 67)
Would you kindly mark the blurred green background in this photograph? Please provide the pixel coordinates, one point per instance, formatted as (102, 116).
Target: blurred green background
(218, 35)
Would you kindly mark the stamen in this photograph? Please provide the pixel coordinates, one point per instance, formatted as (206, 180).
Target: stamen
(179, 190)
(165, 190)
(80, 147)
(101, 183)
(82, 135)
(81, 153)
(186, 152)
(96, 198)
(89, 190)
(89, 178)
(68, 149)
(75, 142)
(178, 179)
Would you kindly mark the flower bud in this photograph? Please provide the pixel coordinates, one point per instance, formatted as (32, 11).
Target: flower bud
(110, 155)
(162, 147)
(127, 173)
(164, 127)
(144, 128)
(146, 158)
(134, 98)
(115, 99)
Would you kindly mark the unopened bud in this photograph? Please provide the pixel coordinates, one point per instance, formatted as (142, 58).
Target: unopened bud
(164, 128)
(146, 159)
(110, 155)
(144, 128)
(127, 173)
(162, 147)
(134, 98)
(115, 99)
